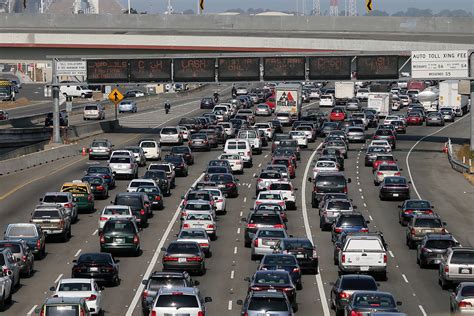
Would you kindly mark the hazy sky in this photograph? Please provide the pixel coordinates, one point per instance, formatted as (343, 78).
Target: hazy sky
(390, 6)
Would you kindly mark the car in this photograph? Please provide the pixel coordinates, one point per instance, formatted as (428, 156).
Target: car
(124, 166)
(88, 289)
(381, 143)
(327, 100)
(138, 154)
(434, 118)
(433, 247)
(154, 196)
(274, 301)
(273, 280)
(11, 266)
(179, 300)
(82, 192)
(104, 172)
(6, 289)
(94, 112)
(217, 169)
(235, 161)
(199, 141)
(185, 132)
(414, 118)
(207, 103)
(198, 235)
(285, 262)
(287, 152)
(138, 203)
(127, 106)
(123, 152)
(355, 134)
(349, 222)
(170, 135)
(151, 149)
(115, 211)
(412, 207)
(449, 115)
(345, 286)
(287, 191)
(264, 239)
(198, 200)
(327, 182)
(219, 199)
(134, 94)
(227, 183)
(260, 219)
(282, 169)
(456, 266)
(120, 235)
(394, 188)
(386, 134)
(185, 152)
(136, 183)
(100, 148)
(64, 199)
(461, 299)
(363, 302)
(168, 168)
(160, 178)
(57, 306)
(353, 105)
(300, 137)
(288, 162)
(303, 250)
(400, 126)
(385, 170)
(200, 219)
(420, 225)
(53, 221)
(384, 158)
(184, 256)
(263, 110)
(274, 197)
(331, 196)
(327, 127)
(99, 186)
(332, 210)
(284, 118)
(158, 280)
(338, 144)
(22, 254)
(252, 137)
(32, 234)
(100, 266)
(371, 154)
(228, 127)
(324, 166)
(265, 179)
(337, 114)
(362, 94)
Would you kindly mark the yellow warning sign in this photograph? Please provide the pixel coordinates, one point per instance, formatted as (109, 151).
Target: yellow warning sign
(115, 96)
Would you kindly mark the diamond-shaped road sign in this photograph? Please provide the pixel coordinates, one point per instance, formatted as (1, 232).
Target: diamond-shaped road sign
(115, 96)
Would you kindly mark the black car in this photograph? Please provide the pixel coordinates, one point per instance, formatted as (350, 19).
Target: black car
(185, 152)
(304, 251)
(349, 221)
(180, 165)
(161, 179)
(154, 195)
(286, 262)
(226, 182)
(190, 123)
(394, 188)
(99, 186)
(258, 301)
(138, 203)
(63, 119)
(273, 280)
(158, 280)
(345, 286)
(104, 172)
(367, 302)
(207, 103)
(331, 151)
(184, 256)
(328, 182)
(432, 248)
(260, 219)
(99, 266)
(277, 126)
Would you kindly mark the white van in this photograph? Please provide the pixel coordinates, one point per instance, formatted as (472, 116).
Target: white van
(76, 91)
(94, 112)
(151, 149)
(253, 138)
(242, 148)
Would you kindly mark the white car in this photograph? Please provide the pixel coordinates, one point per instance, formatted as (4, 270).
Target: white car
(241, 91)
(286, 189)
(115, 211)
(300, 137)
(390, 118)
(136, 183)
(362, 94)
(197, 206)
(385, 170)
(219, 199)
(94, 112)
(264, 240)
(122, 153)
(151, 149)
(228, 128)
(201, 219)
(270, 197)
(381, 143)
(83, 288)
(171, 135)
(324, 166)
(267, 129)
(308, 131)
(184, 132)
(327, 100)
(314, 94)
(198, 235)
(362, 117)
(236, 162)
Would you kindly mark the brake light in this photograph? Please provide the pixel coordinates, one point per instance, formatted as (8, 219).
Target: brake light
(315, 254)
(364, 230)
(168, 258)
(281, 203)
(106, 176)
(194, 259)
(93, 297)
(210, 226)
(145, 294)
(68, 205)
(247, 153)
(345, 189)
(464, 304)
(354, 313)
(413, 231)
(251, 225)
(344, 295)
(136, 240)
(408, 211)
(259, 180)
(296, 270)
(398, 174)
(343, 258)
(379, 173)
(443, 231)
(185, 225)
(385, 258)
(153, 313)
(24, 258)
(201, 314)
(42, 311)
(100, 188)
(157, 198)
(338, 230)
(231, 185)
(89, 198)
(278, 226)
(38, 244)
(204, 244)
(142, 212)
(288, 289)
(90, 150)
(255, 242)
(61, 223)
(102, 239)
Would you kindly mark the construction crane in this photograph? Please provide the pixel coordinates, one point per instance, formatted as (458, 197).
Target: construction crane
(334, 8)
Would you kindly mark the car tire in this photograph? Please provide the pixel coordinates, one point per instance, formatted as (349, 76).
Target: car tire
(116, 281)
(137, 252)
(247, 244)
(253, 257)
(2, 303)
(299, 286)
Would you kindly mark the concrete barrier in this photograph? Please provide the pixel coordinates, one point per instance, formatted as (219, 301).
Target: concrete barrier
(81, 131)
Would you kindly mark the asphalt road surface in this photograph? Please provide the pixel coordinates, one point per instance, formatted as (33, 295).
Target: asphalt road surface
(230, 263)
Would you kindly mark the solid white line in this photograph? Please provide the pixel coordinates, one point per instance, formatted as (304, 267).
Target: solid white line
(58, 278)
(230, 305)
(391, 254)
(95, 232)
(232, 274)
(78, 252)
(309, 235)
(31, 311)
(422, 310)
(405, 278)
(413, 147)
(245, 199)
(156, 255)
(235, 250)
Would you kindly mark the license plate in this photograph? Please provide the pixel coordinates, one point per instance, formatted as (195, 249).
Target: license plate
(300, 256)
(465, 270)
(93, 269)
(221, 186)
(181, 260)
(395, 194)
(119, 240)
(364, 268)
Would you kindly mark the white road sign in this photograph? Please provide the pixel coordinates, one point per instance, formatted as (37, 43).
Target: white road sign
(439, 64)
(71, 68)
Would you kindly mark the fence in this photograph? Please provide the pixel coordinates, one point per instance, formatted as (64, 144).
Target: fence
(455, 164)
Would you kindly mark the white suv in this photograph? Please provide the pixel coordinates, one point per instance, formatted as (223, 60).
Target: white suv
(253, 138)
(171, 135)
(179, 301)
(94, 112)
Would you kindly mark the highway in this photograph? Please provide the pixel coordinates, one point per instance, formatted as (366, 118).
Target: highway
(230, 263)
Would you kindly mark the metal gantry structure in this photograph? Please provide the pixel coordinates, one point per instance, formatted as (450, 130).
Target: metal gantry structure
(334, 8)
(316, 8)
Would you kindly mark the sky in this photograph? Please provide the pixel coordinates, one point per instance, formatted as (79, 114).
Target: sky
(212, 6)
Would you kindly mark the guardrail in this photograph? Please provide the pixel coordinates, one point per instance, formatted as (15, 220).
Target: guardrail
(455, 164)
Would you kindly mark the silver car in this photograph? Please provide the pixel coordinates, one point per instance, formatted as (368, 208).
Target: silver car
(124, 166)
(461, 300)
(139, 155)
(127, 106)
(264, 240)
(331, 210)
(258, 303)
(65, 199)
(100, 148)
(94, 112)
(456, 266)
(355, 134)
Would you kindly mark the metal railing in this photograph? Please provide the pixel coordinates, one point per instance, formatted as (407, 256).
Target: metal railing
(455, 164)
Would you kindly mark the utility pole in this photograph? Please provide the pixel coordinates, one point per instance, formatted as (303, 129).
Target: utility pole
(55, 93)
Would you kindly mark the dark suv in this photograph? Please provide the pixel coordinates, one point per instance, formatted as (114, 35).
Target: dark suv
(138, 202)
(432, 248)
(207, 103)
(328, 182)
(261, 219)
(63, 119)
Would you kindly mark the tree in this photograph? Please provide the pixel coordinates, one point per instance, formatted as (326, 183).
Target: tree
(236, 10)
(188, 12)
(418, 12)
(132, 11)
(377, 13)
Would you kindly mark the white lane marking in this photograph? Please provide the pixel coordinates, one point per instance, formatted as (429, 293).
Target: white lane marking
(78, 252)
(238, 230)
(422, 310)
(58, 278)
(370, 216)
(405, 278)
(156, 255)
(259, 165)
(230, 305)
(250, 184)
(391, 254)
(245, 199)
(266, 155)
(309, 235)
(95, 232)
(254, 174)
(413, 147)
(360, 190)
(235, 250)
(32, 310)
(232, 274)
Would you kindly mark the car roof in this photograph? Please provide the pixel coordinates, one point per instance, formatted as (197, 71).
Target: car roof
(64, 300)
(439, 236)
(169, 274)
(357, 276)
(57, 193)
(76, 280)
(183, 290)
(276, 294)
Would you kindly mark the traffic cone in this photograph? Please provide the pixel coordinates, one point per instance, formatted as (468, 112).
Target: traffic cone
(445, 149)
(84, 152)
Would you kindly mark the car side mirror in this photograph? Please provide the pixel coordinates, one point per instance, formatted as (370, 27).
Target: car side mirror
(354, 207)
(74, 261)
(445, 224)
(247, 279)
(144, 282)
(240, 302)
(401, 169)
(117, 260)
(41, 199)
(163, 249)
(291, 236)
(349, 180)
(52, 289)
(111, 202)
(310, 179)
(207, 299)
(295, 189)
(399, 303)
(399, 206)
(196, 283)
(255, 176)
(367, 222)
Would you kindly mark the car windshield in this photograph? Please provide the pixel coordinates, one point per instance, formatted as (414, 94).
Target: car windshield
(339, 205)
(118, 226)
(156, 283)
(198, 207)
(263, 304)
(62, 310)
(359, 284)
(74, 287)
(462, 257)
(271, 278)
(417, 204)
(440, 243)
(176, 301)
(428, 222)
(185, 248)
(371, 300)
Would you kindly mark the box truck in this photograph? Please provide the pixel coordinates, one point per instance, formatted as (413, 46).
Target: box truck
(344, 91)
(288, 99)
(449, 97)
(380, 101)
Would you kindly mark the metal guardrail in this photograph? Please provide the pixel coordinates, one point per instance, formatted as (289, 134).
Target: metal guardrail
(455, 164)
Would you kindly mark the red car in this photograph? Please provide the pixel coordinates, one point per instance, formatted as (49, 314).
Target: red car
(414, 119)
(271, 102)
(286, 161)
(3, 115)
(388, 159)
(337, 114)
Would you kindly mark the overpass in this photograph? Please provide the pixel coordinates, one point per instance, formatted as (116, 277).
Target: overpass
(33, 37)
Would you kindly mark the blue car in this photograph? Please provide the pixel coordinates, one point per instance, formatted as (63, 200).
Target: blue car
(349, 222)
(283, 262)
(413, 207)
(104, 172)
(31, 233)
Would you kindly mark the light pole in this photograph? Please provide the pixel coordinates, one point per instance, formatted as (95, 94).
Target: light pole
(129, 6)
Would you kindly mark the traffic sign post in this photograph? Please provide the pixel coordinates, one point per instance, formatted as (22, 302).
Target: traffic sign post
(439, 64)
(368, 5)
(115, 96)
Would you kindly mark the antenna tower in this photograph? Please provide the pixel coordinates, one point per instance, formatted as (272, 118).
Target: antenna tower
(353, 7)
(316, 7)
(334, 8)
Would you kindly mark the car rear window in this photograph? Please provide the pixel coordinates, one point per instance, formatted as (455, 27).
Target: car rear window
(22, 231)
(272, 278)
(136, 184)
(383, 132)
(428, 222)
(280, 186)
(99, 144)
(98, 170)
(128, 200)
(93, 180)
(15, 248)
(165, 168)
(265, 219)
(364, 244)
(188, 233)
(73, 287)
(418, 204)
(181, 247)
(55, 199)
(352, 221)
(284, 260)
(339, 205)
(116, 211)
(237, 145)
(199, 217)
(329, 181)
(439, 244)
(271, 234)
(359, 284)
(463, 257)
(198, 196)
(45, 214)
(91, 107)
(388, 168)
(118, 226)
(198, 207)
(156, 283)
(373, 300)
(148, 144)
(155, 174)
(177, 301)
(276, 304)
(169, 131)
(269, 196)
(125, 160)
(62, 310)
(468, 291)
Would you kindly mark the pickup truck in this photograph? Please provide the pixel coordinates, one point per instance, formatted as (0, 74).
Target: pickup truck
(52, 220)
(5, 289)
(363, 254)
